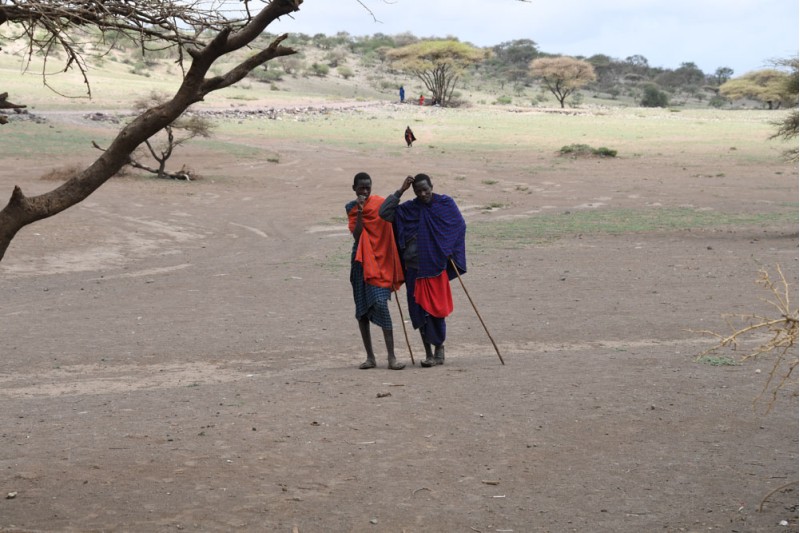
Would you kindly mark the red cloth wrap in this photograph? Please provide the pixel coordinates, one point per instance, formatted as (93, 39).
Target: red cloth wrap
(376, 251)
(434, 295)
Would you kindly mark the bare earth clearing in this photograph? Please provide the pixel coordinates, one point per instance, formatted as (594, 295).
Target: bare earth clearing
(183, 357)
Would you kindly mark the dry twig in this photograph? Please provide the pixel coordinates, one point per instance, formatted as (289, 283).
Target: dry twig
(781, 340)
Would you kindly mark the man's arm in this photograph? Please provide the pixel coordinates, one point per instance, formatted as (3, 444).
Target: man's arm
(359, 218)
(389, 206)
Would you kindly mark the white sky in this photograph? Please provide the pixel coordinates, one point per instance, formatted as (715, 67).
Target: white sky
(741, 34)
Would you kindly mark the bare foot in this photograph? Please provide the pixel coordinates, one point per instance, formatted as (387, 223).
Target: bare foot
(369, 363)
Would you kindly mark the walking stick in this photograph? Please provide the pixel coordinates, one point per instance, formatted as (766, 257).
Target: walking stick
(403, 321)
(476, 311)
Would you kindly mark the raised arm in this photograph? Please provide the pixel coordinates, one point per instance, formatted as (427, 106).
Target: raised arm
(389, 205)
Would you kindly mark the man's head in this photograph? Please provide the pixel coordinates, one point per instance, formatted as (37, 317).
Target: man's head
(362, 184)
(423, 188)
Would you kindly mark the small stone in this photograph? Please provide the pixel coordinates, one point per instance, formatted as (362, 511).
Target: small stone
(373, 521)
(11, 495)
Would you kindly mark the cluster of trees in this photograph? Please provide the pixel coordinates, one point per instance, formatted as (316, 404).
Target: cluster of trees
(519, 66)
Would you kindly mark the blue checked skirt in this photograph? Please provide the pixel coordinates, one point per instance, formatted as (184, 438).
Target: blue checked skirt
(370, 301)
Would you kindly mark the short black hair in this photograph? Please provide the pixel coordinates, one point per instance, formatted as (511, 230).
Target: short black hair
(423, 177)
(361, 176)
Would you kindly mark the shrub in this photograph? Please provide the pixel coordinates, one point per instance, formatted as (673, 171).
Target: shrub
(584, 150)
(717, 101)
(266, 76)
(605, 152)
(318, 69)
(345, 72)
(654, 97)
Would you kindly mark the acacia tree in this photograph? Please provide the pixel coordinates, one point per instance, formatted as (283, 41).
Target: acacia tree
(438, 64)
(769, 86)
(562, 75)
(162, 145)
(50, 25)
(788, 128)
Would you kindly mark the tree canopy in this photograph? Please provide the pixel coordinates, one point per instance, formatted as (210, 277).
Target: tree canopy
(563, 75)
(769, 86)
(438, 64)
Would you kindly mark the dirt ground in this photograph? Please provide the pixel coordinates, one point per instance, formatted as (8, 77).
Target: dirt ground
(184, 357)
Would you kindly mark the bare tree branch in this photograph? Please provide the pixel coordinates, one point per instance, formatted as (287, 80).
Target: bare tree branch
(22, 210)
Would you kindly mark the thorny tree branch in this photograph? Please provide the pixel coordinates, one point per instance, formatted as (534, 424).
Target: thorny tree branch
(780, 343)
(48, 26)
(22, 210)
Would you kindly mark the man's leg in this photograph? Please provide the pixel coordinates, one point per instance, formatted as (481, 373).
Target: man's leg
(438, 354)
(363, 326)
(429, 360)
(388, 336)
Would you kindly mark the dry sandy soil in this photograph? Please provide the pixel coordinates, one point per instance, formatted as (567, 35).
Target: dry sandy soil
(183, 357)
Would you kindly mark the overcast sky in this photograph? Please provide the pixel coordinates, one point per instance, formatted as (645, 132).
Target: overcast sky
(741, 34)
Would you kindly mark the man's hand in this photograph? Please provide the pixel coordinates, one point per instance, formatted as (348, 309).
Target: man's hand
(407, 183)
(360, 201)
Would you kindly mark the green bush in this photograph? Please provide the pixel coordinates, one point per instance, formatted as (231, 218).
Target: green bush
(654, 97)
(318, 69)
(345, 72)
(578, 150)
(717, 101)
(266, 76)
(605, 152)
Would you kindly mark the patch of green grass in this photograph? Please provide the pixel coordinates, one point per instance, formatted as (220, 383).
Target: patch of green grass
(489, 182)
(29, 139)
(717, 360)
(547, 228)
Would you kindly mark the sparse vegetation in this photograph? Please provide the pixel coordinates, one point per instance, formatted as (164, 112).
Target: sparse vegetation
(584, 150)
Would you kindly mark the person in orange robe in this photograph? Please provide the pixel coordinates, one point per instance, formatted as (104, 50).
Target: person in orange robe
(375, 268)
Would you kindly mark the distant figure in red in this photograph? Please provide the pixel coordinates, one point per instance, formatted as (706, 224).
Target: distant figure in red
(422, 99)
(409, 135)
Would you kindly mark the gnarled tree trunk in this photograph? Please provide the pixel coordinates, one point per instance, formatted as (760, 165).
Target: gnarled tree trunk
(22, 210)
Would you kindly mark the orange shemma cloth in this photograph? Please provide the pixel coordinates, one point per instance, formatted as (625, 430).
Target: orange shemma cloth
(434, 295)
(376, 251)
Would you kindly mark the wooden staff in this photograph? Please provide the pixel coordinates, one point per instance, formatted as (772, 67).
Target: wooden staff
(476, 311)
(403, 321)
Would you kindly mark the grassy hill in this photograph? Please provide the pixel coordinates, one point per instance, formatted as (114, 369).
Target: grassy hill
(120, 75)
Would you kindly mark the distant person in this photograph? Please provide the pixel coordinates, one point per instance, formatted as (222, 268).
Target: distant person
(375, 268)
(409, 136)
(402, 94)
(430, 232)
(422, 99)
